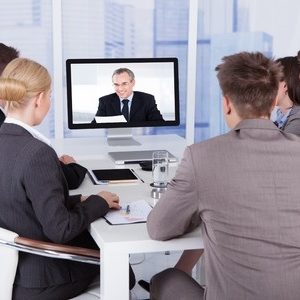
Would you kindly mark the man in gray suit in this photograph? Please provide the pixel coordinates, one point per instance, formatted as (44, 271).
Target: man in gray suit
(244, 188)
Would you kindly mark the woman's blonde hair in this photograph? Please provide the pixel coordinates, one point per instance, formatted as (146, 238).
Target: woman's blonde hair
(21, 80)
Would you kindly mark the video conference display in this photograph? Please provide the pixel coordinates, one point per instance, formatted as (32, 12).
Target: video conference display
(96, 89)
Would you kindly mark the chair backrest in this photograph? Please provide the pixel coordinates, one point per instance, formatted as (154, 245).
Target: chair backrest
(8, 263)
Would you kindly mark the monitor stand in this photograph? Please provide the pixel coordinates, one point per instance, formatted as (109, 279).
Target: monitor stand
(121, 137)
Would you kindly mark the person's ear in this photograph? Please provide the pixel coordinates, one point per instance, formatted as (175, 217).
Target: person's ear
(275, 102)
(285, 88)
(226, 105)
(38, 99)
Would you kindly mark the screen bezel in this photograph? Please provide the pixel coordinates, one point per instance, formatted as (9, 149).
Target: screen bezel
(72, 125)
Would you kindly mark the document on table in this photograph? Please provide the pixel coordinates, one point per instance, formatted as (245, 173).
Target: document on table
(131, 212)
(111, 119)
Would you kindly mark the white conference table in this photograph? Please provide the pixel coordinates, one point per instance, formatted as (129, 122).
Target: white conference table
(117, 242)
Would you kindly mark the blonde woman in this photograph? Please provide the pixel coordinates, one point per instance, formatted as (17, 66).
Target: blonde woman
(74, 173)
(34, 198)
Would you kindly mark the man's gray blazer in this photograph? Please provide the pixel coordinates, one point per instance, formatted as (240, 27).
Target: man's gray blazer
(245, 188)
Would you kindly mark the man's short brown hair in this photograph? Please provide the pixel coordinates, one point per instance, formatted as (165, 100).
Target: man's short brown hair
(7, 54)
(251, 81)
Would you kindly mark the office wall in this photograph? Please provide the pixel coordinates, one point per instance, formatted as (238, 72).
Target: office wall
(134, 28)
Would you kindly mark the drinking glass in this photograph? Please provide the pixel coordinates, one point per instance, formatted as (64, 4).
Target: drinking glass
(160, 168)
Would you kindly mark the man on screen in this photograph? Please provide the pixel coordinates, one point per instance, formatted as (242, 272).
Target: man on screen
(133, 105)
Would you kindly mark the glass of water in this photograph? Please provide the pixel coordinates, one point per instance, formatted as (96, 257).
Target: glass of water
(160, 168)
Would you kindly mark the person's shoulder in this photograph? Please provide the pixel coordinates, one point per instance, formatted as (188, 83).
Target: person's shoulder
(31, 144)
(108, 97)
(142, 94)
(295, 113)
(17, 131)
(212, 141)
(296, 108)
(25, 141)
(35, 146)
(212, 145)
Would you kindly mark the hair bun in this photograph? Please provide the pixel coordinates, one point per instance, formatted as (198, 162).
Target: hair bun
(12, 89)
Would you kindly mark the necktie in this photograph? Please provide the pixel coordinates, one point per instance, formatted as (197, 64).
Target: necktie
(125, 110)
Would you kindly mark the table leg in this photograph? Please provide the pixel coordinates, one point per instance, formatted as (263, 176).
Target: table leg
(114, 275)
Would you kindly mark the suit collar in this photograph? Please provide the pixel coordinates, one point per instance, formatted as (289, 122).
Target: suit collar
(115, 104)
(35, 133)
(295, 110)
(256, 124)
(14, 129)
(135, 105)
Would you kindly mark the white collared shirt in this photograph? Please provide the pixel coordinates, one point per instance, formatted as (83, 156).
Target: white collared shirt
(30, 129)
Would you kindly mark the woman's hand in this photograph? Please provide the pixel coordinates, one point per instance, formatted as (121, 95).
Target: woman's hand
(67, 159)
(111, 199)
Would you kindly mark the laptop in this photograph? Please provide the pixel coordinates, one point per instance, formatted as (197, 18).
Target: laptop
(134, 157)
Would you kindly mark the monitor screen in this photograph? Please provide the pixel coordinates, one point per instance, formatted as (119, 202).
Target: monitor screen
(97, 87)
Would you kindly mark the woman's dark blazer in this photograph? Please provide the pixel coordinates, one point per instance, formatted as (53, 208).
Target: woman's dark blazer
(35, 203)
(73, 172)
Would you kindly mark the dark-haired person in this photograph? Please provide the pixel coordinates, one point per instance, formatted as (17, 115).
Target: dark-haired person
(288, 111)
(7, 54)
(244, 189)
(73, 172)
(135, 106)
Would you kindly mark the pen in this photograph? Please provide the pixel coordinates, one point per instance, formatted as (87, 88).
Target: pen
(137, 176)
(127, 209)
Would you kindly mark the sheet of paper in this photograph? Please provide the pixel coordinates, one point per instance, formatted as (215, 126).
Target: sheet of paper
(111, 119)
(139, 211)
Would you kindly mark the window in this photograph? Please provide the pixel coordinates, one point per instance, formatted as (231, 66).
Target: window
(27, 26)
(127, 29)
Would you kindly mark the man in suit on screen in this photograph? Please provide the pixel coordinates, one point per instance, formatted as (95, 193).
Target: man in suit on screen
(135, 106)
(243, 187)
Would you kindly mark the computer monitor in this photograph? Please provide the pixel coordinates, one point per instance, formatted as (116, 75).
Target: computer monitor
(96, 88)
